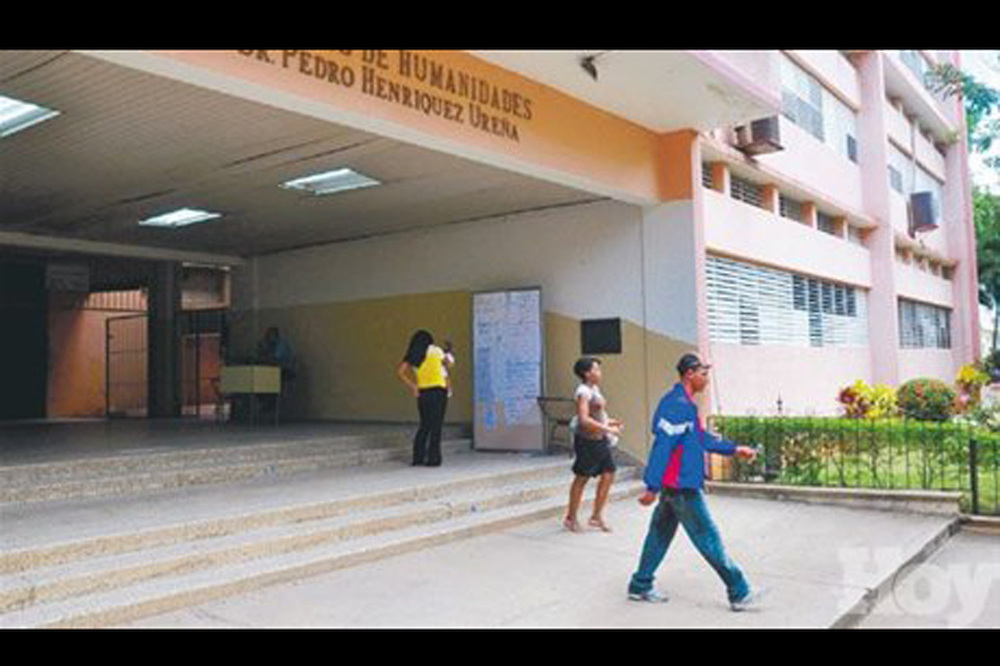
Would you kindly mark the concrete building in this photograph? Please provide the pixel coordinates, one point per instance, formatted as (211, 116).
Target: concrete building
(757, 206)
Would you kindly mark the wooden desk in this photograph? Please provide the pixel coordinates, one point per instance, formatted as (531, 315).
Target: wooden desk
(252, 380)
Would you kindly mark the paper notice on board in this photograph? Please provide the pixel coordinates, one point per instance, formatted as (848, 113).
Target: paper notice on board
(507, 369)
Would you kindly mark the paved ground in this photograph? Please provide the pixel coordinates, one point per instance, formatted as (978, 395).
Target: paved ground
(957, 587)
(815, 561)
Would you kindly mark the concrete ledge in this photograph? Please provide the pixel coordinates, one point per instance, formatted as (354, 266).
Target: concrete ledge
(934, 502)
(981, 524)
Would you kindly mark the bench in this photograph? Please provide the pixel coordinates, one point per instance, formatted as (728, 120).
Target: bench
(556, 414)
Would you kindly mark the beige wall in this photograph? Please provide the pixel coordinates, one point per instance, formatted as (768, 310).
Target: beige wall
(348, 353)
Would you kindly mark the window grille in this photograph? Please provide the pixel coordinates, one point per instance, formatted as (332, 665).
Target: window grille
(826, 224)
(747, 192)
(923, 326)
(755, 305)
(706, 176)
(790, 208)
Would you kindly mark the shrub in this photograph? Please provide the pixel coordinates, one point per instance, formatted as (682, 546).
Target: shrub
(852, 398)
(860, 400)
(926, 399)
(970, 381)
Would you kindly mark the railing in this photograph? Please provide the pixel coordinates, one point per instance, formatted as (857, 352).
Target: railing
(889, 454)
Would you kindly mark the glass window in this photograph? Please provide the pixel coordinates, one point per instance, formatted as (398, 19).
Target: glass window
(923, 326)
(818, 111)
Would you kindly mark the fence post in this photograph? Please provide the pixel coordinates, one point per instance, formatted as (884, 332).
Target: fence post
(973, 474)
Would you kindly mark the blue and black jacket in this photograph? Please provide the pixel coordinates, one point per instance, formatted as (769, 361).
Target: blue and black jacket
(677, 458)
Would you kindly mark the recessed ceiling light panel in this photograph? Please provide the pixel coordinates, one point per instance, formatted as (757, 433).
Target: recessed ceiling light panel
(16, 115)
(328, 182)
(179, 218)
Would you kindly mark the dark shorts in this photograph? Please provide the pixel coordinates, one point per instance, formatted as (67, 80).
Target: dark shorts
(593, 457)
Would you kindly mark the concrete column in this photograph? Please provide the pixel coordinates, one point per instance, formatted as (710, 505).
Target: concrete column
(883, 324)
(957, 220)
(164, 349)
(809, 214)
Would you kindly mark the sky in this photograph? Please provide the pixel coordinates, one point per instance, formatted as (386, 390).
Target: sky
(985, 68)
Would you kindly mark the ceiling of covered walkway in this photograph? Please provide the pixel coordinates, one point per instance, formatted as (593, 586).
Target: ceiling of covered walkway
(127, 145)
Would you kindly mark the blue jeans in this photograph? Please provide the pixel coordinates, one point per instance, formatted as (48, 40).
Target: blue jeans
(688, 508)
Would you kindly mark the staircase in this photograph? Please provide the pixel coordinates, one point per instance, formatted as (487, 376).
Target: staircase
(105, 541)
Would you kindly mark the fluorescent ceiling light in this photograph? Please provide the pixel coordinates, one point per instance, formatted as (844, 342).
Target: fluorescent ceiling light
(331, 181)
(16, 115)
(179, 218)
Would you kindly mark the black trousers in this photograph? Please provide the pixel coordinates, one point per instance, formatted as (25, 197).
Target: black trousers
(431, 403)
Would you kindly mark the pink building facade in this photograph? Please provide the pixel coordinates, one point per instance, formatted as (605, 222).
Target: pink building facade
(819, 268)
(803, 218)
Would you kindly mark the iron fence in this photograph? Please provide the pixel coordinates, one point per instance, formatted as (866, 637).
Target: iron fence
(889, 454)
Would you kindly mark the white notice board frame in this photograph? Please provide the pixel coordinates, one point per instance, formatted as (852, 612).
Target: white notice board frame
(508, 370)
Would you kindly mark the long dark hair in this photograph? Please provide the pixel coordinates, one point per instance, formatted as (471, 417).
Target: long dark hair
(417, 351)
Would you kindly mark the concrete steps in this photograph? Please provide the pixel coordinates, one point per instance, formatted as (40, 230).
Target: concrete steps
(131, 473)
(109, 572)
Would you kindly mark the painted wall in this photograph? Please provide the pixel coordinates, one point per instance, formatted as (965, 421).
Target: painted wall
(836, 177)
(348, 309)
(751, 379)
(741, 230)
(937, 363)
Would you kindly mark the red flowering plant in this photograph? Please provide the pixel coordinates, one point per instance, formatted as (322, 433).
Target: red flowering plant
(853, 400)
(926, 399)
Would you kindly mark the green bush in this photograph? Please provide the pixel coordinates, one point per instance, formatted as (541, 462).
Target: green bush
(926, 400)
(891, 453)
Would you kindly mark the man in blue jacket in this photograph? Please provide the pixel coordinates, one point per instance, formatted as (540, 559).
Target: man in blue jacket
(676, 472)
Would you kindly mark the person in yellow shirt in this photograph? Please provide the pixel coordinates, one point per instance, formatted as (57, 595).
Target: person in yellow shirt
(424, 369)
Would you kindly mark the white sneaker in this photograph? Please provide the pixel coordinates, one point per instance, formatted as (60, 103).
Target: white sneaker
(651, 596)
(749, 602)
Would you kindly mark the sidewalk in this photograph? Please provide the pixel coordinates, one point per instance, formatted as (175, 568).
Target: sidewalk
(815, 561)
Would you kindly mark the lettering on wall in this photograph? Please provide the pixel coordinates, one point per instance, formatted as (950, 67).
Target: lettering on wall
(415, 81)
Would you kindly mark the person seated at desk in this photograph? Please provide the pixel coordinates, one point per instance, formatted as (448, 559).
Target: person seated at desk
(275, 350)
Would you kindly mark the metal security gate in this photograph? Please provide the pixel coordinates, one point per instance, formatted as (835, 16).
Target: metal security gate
(127, 366)
(202, 335)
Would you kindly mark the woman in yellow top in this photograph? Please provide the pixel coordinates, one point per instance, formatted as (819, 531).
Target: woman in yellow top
(424, 370)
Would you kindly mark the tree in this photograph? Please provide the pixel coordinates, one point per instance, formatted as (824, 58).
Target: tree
(980, 101)
(986, 216)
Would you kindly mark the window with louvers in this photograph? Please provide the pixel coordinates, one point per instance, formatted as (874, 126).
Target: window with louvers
(826, 224)
(791, 208)
(706, 176)
(747, 192)
(755, 305)
(923, 326)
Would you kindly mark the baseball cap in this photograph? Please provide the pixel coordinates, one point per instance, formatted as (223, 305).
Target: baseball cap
(690, 362)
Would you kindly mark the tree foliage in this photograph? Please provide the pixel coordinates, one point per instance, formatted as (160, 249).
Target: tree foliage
(983, 126)
(979, 100)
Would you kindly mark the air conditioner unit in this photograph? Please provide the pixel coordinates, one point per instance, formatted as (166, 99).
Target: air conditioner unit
(923, 212)
(759, 137)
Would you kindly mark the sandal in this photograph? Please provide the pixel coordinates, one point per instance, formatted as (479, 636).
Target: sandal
(598, 523)
(572, 525)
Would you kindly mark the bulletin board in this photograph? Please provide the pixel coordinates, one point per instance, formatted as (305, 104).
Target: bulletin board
(507, 370)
